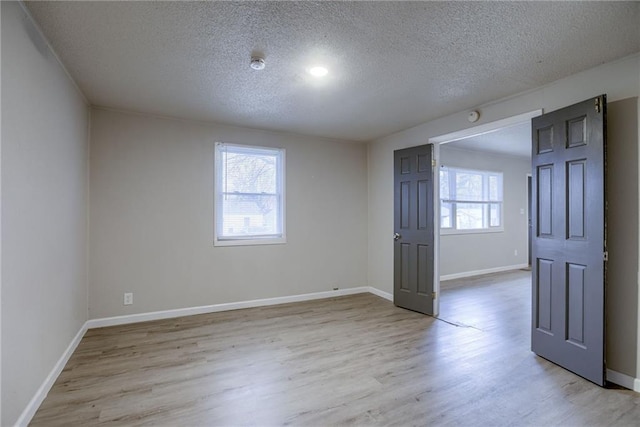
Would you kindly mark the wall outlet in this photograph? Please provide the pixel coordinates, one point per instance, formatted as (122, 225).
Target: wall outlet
(515, 252)
(128, 298)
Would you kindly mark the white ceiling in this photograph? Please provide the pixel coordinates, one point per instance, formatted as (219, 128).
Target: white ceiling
(513, 140)
(392, 65)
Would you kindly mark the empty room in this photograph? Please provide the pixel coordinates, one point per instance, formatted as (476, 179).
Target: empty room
(484, 203)
(319, 213)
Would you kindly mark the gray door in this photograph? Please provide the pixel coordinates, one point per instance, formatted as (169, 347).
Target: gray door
(413, 226)
(568, 272)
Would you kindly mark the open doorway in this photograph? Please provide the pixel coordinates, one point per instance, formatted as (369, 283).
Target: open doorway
(483, 250)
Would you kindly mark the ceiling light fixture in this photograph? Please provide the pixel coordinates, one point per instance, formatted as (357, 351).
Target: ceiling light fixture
(257, 63)
(318, 71)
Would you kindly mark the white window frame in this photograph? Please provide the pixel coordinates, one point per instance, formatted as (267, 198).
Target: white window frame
(453, 201)
(219, 240)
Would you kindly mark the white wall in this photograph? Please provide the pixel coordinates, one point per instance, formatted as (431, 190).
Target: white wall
(619, 80)
(44, 206)
(461, 253)
(151, 215)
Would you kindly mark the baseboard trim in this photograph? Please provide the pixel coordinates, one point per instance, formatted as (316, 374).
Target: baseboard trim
(481, 272)
(43, 391)
(381, 294)
(190, 311)
(623, 380)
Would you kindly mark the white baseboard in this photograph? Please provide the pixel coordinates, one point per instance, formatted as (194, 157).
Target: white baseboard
(481, 272)
(190, 311)
(41, 394)
(381, 294)
(623, 380)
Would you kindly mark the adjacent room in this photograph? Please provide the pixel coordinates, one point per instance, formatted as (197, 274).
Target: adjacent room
(203, 215)
(484, 226)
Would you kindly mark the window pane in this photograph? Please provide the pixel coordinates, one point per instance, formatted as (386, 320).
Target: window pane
(445, 215)
(249, 173)
(495, 187)
(444, 184)
(468, 186)
(255, 215)
(494, 214)
(480, 193)
(249, 185)
(469, 216)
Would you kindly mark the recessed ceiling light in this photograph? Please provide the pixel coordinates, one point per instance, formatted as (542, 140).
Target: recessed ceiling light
(318, 71)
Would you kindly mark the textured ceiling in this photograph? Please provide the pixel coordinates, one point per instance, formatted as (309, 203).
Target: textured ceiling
(392, 65)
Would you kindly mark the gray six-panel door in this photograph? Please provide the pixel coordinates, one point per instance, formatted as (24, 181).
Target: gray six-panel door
(413, 227)
(568, 250)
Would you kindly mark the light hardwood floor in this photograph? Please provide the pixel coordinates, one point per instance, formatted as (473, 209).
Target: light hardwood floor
(351, 360)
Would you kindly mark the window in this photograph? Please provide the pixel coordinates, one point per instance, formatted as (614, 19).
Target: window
(470, 200)
(249, 195)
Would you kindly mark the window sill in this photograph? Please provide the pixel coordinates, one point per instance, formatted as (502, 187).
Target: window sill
(450, 232)
(250, 242)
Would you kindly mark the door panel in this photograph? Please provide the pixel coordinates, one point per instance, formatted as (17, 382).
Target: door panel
(545, 268)
(575, 188)
(569, 220)
(413, 226)
(545, 197)
(575, 303)
(404, 266)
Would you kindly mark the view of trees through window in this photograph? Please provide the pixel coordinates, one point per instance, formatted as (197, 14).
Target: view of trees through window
(469, 199)
(249, 192)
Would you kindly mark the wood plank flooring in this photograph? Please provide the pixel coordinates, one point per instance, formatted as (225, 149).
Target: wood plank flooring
(354, 360)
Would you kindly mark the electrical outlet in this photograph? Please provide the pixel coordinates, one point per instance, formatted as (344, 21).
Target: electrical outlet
(128, 298)
(515, 252)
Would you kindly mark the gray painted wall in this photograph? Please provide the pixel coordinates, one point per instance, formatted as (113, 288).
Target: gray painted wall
(622, 232)
(460, 253)
(151, 215)
(619, 80)
(44, 211)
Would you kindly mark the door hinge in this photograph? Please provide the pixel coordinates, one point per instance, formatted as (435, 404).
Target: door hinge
(606, 255)
(433, 295)
(597, 105)
(433, 163)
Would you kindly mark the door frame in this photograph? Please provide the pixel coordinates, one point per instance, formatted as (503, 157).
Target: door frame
(528, 182)
(451, 137)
